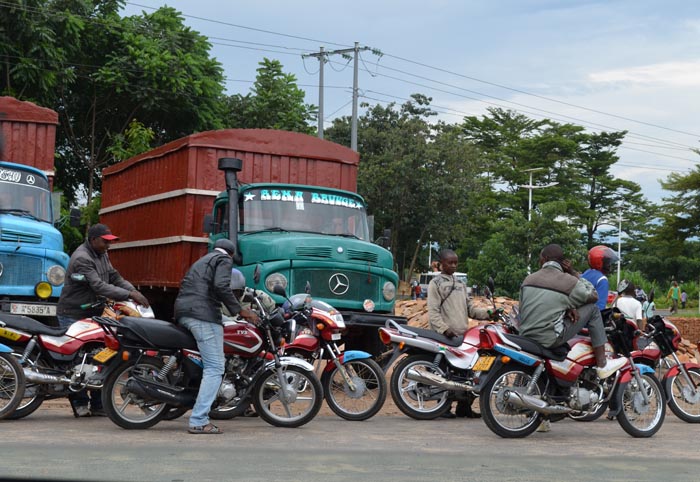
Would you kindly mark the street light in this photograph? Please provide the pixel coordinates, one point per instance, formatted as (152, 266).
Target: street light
(530, 187)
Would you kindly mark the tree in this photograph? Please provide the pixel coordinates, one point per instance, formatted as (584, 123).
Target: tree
(274, 103)
(681, 212)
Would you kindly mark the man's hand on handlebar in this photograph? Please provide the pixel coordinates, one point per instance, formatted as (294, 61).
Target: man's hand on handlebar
(139, 298)
(249, 316)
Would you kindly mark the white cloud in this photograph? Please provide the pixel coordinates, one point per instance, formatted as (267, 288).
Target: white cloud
(677, 74)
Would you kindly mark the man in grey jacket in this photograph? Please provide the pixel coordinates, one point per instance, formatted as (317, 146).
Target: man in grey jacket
(198, 308)
(556, 303)
(90, 274)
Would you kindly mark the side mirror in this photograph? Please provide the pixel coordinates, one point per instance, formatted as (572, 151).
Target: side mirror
(651, 296)
(491, 284)
(256, 274)
(307, 288)
(278, 290)
(209, 224)
(74, 219)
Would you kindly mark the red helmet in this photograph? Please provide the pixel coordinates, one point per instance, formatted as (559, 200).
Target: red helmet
(602, 258)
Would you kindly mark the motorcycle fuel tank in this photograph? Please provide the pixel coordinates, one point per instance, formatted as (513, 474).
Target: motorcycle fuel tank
(241, 338)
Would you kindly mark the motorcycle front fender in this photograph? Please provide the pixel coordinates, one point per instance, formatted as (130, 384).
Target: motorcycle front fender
(675, 369)
(291, 360)
(347, 356)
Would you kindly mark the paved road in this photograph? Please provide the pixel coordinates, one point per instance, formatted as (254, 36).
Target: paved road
(51, 444)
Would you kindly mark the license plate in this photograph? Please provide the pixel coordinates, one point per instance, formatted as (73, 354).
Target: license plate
(104, 355)
(484, 363)
(9, 334)
(36, 310)
(336, 336)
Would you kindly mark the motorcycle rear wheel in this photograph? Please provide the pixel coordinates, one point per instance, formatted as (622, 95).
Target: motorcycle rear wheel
(233, 410)
(301, 388)
(33, 397)
(369, 394)
(126, 409)
(636, 418)
(12, 383)
(418, 400)
(681, 400)
(501, 417)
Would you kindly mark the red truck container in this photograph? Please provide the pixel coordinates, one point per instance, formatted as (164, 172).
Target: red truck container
(29, 134)
(156, 202)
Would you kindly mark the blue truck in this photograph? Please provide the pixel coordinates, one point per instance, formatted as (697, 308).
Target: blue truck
(32, 261)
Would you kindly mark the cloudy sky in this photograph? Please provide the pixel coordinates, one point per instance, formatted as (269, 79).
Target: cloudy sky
(608, 65)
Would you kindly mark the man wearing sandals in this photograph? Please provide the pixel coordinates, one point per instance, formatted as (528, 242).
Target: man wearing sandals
(198, 308)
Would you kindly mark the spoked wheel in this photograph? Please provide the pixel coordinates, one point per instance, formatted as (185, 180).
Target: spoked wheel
(290, 402)
(32, 398)
(368, 395)
(637, 418)
(504, 418)
(125, 408)
(12, 384)
(683, 399)
(418, 400)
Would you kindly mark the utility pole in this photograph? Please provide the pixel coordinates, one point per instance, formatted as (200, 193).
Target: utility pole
(321, 58)
(530, 187)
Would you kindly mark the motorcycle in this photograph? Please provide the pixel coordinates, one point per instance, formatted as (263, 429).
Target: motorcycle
(12, 380)
(528, 382)
(353, 383)
(155, 366)
(681, 381)
(57, 362)
(438, 370)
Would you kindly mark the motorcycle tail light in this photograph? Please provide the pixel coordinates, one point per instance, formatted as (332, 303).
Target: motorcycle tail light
(485, 340)
(111, 342)
(384, 337)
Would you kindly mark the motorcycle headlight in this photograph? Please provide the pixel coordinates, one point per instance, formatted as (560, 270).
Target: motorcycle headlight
(56, 275)
(389, 291)
(275, 279)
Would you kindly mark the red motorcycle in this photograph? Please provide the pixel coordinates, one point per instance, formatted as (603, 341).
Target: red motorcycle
(528, 382)
(153, 366)
(353, 383)
(58, 362)
(681, 381)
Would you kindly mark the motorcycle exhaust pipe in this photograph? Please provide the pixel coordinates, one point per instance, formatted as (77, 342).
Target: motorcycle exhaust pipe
(437, 380)
(161, 393)
(533, 403)
(43, 378)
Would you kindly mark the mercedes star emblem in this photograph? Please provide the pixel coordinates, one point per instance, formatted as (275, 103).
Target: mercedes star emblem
(339, 284)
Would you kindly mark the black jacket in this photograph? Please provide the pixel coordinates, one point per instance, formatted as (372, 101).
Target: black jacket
(100, 279)
(205, 287)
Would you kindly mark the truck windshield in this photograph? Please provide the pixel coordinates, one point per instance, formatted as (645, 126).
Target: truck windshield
(304, 210)
(25, 199)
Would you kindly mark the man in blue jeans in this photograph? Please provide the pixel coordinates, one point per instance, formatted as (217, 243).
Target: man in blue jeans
(205, 287)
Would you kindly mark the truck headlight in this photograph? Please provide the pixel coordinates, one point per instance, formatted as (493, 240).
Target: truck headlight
(56, 275)
(389, 291)
(275, 279)
(43, 290)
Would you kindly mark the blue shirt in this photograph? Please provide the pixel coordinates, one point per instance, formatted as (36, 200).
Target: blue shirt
(601, 285)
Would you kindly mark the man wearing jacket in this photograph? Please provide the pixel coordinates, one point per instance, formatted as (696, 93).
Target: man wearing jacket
(198, 308)
(90, 274)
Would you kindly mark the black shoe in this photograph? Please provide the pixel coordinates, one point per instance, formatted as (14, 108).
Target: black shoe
(98, 412)
(448, 414)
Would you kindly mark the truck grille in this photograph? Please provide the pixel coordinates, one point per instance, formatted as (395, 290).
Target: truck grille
(361, 285)
(12, 236)
(20, 270)
(362, 255)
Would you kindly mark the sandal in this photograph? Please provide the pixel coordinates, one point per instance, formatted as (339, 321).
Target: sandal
(206, 429)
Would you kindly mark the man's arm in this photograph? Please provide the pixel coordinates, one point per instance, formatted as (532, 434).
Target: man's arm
(434, 315)
(87, 268)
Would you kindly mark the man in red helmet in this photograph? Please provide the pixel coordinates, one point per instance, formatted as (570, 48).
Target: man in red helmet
(601, 259)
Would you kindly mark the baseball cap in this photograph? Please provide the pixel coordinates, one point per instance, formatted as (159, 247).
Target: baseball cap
(101, 231)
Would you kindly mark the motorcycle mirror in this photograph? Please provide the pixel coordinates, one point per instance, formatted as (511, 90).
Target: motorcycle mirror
(491, 284)
(278, 290)
(307, 288)
(256, 274)
(651, 296)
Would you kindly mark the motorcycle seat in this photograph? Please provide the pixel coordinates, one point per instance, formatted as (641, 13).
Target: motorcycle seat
(433, 335)
(30, 325)
(557, 353)
(159, 333)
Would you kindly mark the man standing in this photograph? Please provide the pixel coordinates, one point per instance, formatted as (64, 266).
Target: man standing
(555, 304)
(90, 274)
(198, 308)
(449, 309)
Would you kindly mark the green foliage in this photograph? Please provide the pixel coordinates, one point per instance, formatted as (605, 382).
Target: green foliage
(681, 212)
(274, 103)
(136, 139)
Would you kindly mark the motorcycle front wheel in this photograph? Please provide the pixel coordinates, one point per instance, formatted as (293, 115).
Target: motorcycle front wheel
(290, 402)
(12, 384)
(368, 395)
(503, 418)
(127, 409)
(637, 418)
(683, 399)
(415, 399)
